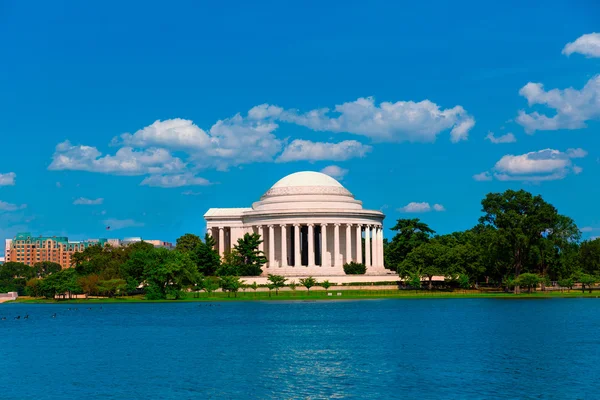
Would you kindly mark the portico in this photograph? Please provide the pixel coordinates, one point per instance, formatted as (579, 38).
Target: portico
(310, 225)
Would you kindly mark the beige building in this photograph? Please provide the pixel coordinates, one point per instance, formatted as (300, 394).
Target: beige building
(310, 225)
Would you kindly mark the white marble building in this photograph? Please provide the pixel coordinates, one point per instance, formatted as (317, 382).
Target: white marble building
(310, 225)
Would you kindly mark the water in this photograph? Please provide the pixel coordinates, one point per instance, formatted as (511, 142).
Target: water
(434, 348)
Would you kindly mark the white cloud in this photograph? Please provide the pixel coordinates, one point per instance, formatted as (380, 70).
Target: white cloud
(484, 176)
(439, 207)
(543, 165)
(89, 202)
(116, 224)
(264, 111)
(317, 151)
(7, 179)
(573, 108)
(4, 206)
(172, 181)
(415, 207)
(508, 138)
(190, 193)
(587, 229)
(172, 133)
(387, 122)
(126, 160)
(588, 45)
(334, 171)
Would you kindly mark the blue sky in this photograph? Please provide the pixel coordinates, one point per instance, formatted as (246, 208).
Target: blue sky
(144, 115)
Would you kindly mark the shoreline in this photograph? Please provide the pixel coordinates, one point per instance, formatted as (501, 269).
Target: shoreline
(313, 297)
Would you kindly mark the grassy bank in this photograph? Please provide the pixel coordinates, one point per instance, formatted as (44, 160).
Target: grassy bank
(322, 295)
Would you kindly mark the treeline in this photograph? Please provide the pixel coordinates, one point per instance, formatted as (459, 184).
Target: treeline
(139, 268)
(520, 240)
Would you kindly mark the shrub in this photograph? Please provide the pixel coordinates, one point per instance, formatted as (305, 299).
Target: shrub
(353, 268)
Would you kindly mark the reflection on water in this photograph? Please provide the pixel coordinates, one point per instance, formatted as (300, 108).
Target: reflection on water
(438, 348)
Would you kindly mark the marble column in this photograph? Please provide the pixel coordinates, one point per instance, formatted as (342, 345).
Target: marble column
(381, 252)
(209, 231)
(284, 262)
(348, 243)
(359, 244)
(374, 246)
(271, 246)
(336, 244)
(221, 241)
(297, 258)
(367, 246)
(311, 245)
(324, 255)
(261, 233)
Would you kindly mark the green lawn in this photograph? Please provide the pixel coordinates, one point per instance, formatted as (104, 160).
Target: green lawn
(322, 295)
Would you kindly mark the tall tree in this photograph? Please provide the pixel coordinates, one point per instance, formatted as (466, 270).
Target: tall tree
(207, 257)
(187, 243)
(44, 268)
(411, 233)
(589, 256)
(520, 219)
(429, 260)
(249, 257)
(167, 273)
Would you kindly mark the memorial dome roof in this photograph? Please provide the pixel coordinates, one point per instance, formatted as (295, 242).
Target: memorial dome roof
(306, 178)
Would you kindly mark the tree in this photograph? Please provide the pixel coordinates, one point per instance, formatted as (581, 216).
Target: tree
(414, 280)
(589, 256)
(528, 280)
(277, 281)
(167, 272)
(210, 284)
(89, 284)
(293, 285)
(33, 287)
(253, 286)
(62, 283)
(249, 257)
(411, 233)
(326, 285)
(112, 287)
(308, 283)
(230, 266)
(587, 280)
(353, 268)
(463, 282)
(520, 219)
(187, 243)
(44, 268)
(430, 259)
(231, 284)
(566, 282)
(207, 256)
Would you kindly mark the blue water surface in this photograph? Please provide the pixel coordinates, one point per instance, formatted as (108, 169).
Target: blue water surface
(373, 349)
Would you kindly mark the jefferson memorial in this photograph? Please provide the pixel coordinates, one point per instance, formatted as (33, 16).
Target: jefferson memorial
(310, 225)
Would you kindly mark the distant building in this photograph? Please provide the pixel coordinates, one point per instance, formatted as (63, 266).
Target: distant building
(1, 260)
(28, 249)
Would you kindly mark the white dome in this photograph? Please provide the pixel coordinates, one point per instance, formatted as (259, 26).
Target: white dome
(306, 178)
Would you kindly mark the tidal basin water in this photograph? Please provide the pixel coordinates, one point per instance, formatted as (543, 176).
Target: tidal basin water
(431, 348)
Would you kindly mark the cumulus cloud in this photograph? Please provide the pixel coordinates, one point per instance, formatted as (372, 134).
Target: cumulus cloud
(172, 181)
(173, 133)
(317, 151)
(116, 224)
(387, 122)
(543, 165)
(572, 107)
(588, 45)
(88, 202)
(8, 179)
(415, 207)
(587, 229)
(334, 171)
(508, 138)
(126, 160)
(4, 206)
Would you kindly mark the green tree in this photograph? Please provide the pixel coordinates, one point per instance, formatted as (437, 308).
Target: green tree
(187, 243)
(589, 256)
(277, 281)
(253, 286)
(430, 259)
(566, 282)
(249, 257)
(414, 280)
(33, 287)
(167, 272)
(293, 285)
(587, 280)
(230, 266)
(231, 284)
(63, 283)
(210, 284)
(308, 283)
(207, 256)
(112, 287)
(521, 219)
(326, 285)
(89, 284)
(44, 268)
(411, 233)
(528, 280)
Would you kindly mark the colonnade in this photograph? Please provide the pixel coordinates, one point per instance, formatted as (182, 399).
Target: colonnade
(311, 244)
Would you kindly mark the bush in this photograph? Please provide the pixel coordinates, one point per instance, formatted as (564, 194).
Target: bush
(353, 268)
